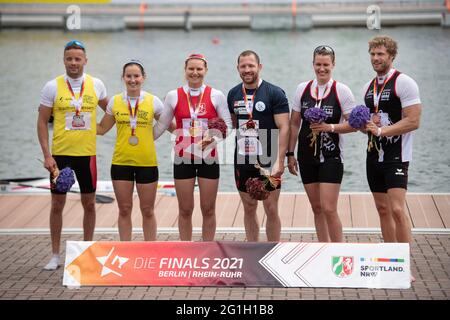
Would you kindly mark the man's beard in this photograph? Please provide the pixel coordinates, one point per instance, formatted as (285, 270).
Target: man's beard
(254, 78)
(382, 68)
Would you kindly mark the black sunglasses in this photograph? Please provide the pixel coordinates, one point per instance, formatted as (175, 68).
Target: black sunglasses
(324, 49)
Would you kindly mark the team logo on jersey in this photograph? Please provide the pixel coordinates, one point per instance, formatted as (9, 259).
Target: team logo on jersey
(201, 109)
(305, 105)
(260, 106)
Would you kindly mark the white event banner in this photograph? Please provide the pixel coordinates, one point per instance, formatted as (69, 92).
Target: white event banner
(349, 265)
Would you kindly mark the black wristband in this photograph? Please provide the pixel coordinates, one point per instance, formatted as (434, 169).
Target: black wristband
(290, 154)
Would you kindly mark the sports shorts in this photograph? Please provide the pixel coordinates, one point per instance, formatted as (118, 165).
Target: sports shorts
(324, 172)
(192, 170)
(134, 173)
(384, 176)
(85, 168)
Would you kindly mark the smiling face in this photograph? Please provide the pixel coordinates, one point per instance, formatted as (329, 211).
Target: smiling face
(74, 61)
(194, 72)
(323, 67)
(133, 79)
(381, 60)
(249, 68)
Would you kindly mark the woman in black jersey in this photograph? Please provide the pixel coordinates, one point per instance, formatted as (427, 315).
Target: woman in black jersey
(321, 162)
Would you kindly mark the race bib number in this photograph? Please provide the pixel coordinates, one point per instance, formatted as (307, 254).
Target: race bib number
(249, 146)
(82, 121)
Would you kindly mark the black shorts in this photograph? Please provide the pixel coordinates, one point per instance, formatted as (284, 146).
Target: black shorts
(384, 176)
(133, 173)
(192, 170)
(325, 172)
(85, 169)
(243, 172)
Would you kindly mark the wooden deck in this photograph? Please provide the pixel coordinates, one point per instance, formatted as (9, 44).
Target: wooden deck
(31, 211)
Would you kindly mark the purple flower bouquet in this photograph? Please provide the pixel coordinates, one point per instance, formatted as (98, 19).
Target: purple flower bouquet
(315, 115)
(65, 180)
(359, 117)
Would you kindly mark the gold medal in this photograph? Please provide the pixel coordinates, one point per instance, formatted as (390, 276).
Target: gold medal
(195, 128)
(133, 140)
(194, 131)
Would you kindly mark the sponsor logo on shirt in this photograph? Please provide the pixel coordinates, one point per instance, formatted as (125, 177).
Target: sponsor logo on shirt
(260, 106)
(328, 110)
(385, 95)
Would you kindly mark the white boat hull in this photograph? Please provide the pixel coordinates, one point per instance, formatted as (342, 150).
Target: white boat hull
(38, 186)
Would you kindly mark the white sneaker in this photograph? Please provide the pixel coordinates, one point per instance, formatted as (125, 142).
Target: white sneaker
(53, 264)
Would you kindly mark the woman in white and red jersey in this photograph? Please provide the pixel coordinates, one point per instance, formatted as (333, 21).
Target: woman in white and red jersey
(195, 154)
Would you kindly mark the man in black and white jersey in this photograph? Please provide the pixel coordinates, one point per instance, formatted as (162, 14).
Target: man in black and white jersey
(394, 102)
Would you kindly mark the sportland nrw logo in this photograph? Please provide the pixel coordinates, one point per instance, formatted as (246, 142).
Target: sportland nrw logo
(342, 266)
(120, 261)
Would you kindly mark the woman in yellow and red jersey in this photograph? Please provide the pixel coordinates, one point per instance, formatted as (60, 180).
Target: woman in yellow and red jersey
(134, 158)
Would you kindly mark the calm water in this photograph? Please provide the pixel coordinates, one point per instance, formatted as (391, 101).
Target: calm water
(30, 58)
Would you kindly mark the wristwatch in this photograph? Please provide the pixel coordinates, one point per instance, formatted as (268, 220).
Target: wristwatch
(289, 153)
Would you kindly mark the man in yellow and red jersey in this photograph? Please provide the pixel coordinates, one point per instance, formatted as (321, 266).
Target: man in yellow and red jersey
(72, 99)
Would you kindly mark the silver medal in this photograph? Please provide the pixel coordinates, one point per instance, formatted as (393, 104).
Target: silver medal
(133, 140)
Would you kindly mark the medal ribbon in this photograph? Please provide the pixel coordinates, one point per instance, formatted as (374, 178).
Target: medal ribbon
(80, 98)
(247, 106)
(194, 111)
(376, 102)
(133, 117)
(376, 95)
(319, 101)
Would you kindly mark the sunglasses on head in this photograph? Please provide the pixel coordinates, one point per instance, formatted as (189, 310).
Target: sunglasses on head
(74, 43)
(324, 49)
